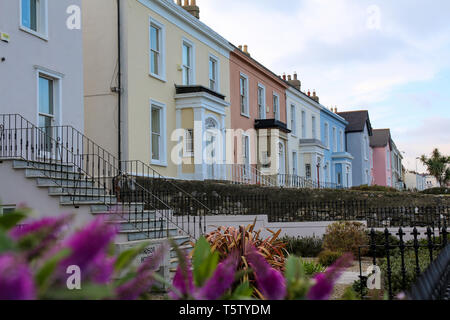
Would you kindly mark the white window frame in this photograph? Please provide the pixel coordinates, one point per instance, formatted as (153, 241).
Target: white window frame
(246, 92)
(276, 112)
(314, 127)
(162, 48)
(188, 143)
(261, 86)
(294, 163)
(304, 124)
(341, 139)
(217, 80)
(326, 137)
(365, 143)
(6, 207)
(42, 31)
(163, 142)
(57, 94)
(293, 115)
(335, 147)
(246, 137)
(191, 45)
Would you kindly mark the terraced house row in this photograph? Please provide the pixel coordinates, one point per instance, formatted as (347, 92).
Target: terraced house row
(145, 88)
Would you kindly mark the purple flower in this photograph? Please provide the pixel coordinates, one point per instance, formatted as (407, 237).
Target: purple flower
(221, 281)
(183, 281)
(143, 281)
(16, 280)
(270, 282)
(88, 248)
(46, 231)
(324, 282)
(102, 268)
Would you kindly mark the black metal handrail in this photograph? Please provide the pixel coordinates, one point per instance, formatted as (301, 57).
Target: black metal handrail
(57, 148)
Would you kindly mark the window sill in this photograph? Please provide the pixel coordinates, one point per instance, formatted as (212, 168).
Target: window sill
(159, 163)
(34, 33)
(245, 115)
(157, 77)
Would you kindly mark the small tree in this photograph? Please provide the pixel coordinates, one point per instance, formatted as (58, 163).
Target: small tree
(438, 166)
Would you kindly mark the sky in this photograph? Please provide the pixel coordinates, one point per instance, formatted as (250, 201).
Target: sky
(389, 57)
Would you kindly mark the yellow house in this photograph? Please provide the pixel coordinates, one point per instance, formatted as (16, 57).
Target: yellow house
(166, 85)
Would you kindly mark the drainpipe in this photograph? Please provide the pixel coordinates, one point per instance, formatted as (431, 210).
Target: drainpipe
(119, 96)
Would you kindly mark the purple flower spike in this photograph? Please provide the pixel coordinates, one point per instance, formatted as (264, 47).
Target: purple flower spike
(102, 268)
(46, 230)
(270, 282)
(144, 279)
(88, 246)
(221, 281)
(183, 282)
(16, 280)
(324, 282)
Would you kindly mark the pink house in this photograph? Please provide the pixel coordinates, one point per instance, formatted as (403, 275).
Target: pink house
(381, 146)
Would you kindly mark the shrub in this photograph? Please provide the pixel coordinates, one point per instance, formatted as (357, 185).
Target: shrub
(345, 237)
(380, 239)
(327, 257)
(311, 268)
(374, 188)
(225, 240)
(360, 287)
(303, 246)
(442, 190)
(410, 266)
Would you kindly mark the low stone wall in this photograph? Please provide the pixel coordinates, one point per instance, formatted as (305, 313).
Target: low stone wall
(292, 229)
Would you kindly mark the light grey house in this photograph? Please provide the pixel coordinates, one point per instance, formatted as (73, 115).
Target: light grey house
(41, 61)
(358, 133)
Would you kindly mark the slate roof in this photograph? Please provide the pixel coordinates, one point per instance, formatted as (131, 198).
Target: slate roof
(380, 138)
(356, 121)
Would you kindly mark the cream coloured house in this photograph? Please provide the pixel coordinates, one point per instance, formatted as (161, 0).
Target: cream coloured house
(172, 74)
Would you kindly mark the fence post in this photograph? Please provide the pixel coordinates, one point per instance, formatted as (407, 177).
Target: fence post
(388, 260)
(415, 233)
(402, 256)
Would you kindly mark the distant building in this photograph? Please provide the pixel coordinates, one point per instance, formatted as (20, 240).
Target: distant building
(415, 181)
(387, 160)
(358, 133)
(337, 164)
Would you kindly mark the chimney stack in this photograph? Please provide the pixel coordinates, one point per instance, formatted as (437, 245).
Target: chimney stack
(295, 82)
(246, 50)
(284, 76)
(309, 93)
(240, 47)
(315, 97)
(191, 7)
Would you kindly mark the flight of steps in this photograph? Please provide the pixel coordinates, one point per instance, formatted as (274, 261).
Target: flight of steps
(73, 190)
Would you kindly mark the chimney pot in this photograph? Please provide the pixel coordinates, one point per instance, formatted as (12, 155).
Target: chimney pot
(240, 47)
(295, 76)
(289, 77)
(186, 3)
(284, 76)
(309, 93)
(179, 2)
(193, 2)
(245, 48)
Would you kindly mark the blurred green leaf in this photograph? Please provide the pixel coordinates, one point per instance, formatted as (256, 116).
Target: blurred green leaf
(43, 276)
(6, 243)
(242, 292)
(10, 220)
(204, 262)
(87, 292)
(297, 282)
(125, 259)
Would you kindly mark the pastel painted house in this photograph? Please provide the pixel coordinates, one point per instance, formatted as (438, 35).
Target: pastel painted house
(306, 151)
(357, 136)
(174, 89)
(337, 163)
(381, 145)
(41, 85)
(258, 144)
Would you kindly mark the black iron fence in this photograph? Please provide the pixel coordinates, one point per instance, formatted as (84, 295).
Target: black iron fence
(396, 263)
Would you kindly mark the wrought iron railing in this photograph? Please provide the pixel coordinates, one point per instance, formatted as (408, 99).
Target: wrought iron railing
(248, 174)
(83, 170)
(399, 262)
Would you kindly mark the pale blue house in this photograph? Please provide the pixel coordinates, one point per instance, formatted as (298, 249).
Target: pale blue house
(337, 162)
(358, 133)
